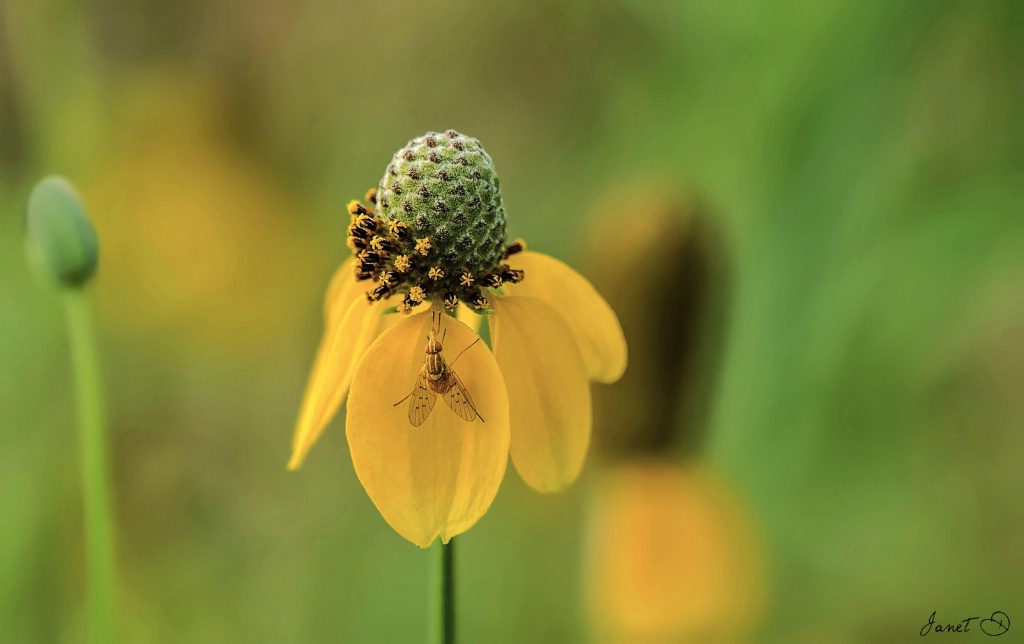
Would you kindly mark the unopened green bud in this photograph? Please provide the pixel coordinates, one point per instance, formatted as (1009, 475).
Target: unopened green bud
(60, 238)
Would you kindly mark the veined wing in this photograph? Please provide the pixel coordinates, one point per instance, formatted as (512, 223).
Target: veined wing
(457, 397)
(422, 399)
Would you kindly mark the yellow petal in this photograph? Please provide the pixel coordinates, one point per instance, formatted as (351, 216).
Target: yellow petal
(342, 290)
(470, 318)
(547, 388)
(346, 338)
(438, 479)
(595, 327)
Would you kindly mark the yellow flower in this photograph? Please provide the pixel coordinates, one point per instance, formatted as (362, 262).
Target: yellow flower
(434, 474)
(674, 556)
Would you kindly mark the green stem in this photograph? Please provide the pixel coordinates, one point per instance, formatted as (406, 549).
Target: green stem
(95, 483)
(445, 608)
(445, 604)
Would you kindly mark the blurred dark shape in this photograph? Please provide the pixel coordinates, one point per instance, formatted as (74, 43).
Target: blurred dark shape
(661, 264)
(673, 550)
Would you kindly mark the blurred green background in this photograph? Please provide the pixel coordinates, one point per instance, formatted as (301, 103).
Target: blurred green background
(860, 163)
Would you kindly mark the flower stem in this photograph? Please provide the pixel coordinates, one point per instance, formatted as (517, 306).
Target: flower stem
(95, 483)
(445, 627)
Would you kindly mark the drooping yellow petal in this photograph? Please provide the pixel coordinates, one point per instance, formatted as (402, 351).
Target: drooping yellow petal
(329, 377)
(437, 479)
(341, 291)
(594, 325)
(346, 338)
(547, 388)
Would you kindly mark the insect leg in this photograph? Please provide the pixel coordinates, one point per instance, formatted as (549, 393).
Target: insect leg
(463, 351)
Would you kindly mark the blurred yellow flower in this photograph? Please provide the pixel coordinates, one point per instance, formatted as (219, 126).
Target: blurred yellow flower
(551, 333)
(673, 556)
(187, 219)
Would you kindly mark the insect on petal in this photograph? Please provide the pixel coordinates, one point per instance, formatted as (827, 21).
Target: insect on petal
(548, 389)
(437, 479)
(595, 328)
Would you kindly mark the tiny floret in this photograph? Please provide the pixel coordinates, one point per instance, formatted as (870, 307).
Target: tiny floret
(423, 246)
(479, 301)
(402, 264)
(398, 229)
(435, 273)
(366, 222)
(381, 292)
(416, 294)
(355, 208)
(517, 246)
(511, 275)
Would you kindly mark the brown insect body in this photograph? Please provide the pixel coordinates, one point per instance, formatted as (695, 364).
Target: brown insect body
(437, 377)
(435, 364)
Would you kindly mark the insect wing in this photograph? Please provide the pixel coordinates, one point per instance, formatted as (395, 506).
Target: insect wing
(421, 403)
(458, 398)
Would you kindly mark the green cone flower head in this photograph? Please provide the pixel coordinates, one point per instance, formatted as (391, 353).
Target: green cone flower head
(435, 227)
